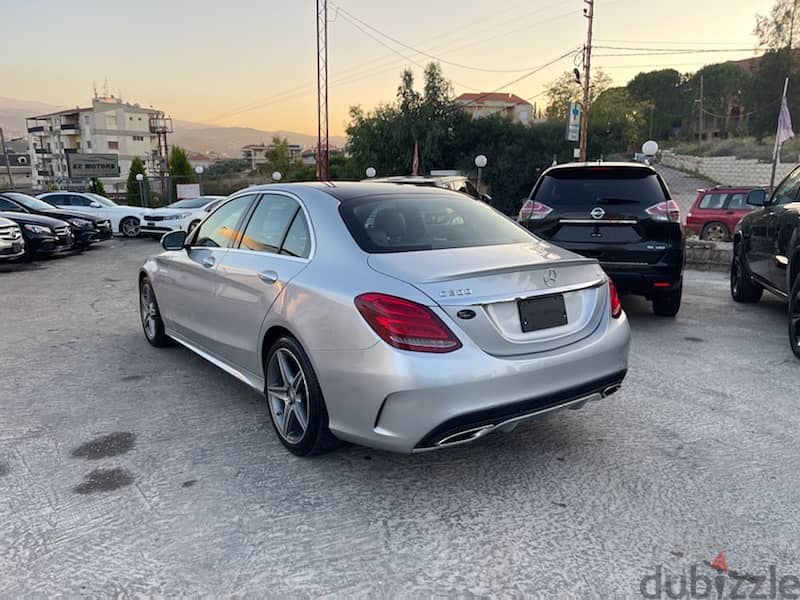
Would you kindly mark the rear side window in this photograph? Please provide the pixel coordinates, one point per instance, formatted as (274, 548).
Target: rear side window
(413, 222)
(583, 188)
(713, 201)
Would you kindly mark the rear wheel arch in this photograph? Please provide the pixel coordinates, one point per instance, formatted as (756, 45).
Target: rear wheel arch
(272, 335)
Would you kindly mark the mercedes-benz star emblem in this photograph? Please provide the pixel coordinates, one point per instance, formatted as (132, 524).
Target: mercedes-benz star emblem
(550, 277)
(597, 213)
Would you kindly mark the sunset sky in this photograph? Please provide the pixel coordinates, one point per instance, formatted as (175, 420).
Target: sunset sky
(248, 63)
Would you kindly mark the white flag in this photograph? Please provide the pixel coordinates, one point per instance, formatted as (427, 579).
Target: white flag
(784, 123)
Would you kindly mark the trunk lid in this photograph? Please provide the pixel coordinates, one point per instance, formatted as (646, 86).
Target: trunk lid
(491, 281)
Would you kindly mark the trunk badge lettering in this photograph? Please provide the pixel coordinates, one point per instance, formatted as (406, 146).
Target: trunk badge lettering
(550, 277)
(454, 293)
(597, 213)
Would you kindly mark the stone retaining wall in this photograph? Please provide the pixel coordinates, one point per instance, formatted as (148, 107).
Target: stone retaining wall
(708, 256)
(727, 170)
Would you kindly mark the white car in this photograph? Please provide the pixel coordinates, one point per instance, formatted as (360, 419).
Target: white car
(182, 215)
(124, 219)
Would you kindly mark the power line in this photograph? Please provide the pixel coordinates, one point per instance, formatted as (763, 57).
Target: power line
(350, 16)
(678, 50)
(307, 87)
(671, 42)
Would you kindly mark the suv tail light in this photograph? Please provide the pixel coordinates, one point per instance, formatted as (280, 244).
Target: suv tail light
(405, 324)
(665, 211)
(532, 211)
(616, 305)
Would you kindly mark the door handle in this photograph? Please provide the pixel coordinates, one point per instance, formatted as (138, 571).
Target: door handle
(269, 277)
(208, 262)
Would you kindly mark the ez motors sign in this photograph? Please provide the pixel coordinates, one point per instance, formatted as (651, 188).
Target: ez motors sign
(85, 166)
(574, 122)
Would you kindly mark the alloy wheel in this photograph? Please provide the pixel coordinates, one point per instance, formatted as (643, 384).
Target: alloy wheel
(287, 395)
(794, 320)
(716, 233)
(130, 228)
(149, 311)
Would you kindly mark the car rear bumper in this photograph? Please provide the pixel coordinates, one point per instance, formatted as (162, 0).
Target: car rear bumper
(412, 402)
(646, 279)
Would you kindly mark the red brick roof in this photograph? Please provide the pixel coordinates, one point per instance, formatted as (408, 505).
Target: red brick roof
(475, 97)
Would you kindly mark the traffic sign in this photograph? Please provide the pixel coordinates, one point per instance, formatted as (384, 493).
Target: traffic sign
(574, 122)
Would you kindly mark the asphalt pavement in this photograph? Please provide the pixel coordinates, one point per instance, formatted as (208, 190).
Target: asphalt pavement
(131, 471)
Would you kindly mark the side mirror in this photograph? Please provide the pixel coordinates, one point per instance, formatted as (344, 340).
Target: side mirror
(173, 240)
(94, 204)
(757, 198)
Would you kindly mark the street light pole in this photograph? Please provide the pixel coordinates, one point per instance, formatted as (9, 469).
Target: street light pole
(140, 179)
(587, 63)
(480, 162)
(199, 170)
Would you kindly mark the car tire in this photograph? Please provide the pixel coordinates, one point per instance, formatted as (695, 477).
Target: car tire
(294, 399)
(742, 287)
(669, 303)
(192, 225)
(152, 324)
(794, 317)
(715, 232)
(129, 227)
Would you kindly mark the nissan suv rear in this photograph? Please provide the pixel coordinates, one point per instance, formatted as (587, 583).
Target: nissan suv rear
(622, 215)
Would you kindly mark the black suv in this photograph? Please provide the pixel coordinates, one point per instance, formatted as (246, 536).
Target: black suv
(622, 215)
(766, 251)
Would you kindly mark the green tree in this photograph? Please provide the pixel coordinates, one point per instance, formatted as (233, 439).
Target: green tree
(616, 122)
(132, 187)
(96, 187)
(662, 95)
(724, 88)
(776, 30)
(180, 169)
(564, 89)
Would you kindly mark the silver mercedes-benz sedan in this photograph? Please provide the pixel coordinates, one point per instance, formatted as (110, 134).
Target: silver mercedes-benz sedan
(400, 318)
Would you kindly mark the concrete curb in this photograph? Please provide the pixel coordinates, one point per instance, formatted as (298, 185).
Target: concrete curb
(708, 256)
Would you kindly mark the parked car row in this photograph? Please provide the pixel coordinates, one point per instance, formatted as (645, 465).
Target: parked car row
(42, 229)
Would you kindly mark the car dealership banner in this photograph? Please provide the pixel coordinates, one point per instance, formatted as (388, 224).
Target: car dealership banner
(84, 166)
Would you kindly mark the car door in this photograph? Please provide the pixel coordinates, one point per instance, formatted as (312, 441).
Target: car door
(275, 247)
(762, 245)
(188, 280)
(735, 208)
(711, 208)
(786, 216)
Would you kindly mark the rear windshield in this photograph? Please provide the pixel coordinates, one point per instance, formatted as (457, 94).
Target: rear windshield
(409, 222)
(593, 187)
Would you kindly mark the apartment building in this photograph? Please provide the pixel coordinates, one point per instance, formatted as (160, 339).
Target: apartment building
(257, 153)
(508, 105)
(120, 131)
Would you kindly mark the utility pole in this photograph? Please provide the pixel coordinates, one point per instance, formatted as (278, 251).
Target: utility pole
(702, 118)
(652, 110)
(587, 64)
(323, 149)
(8, 164)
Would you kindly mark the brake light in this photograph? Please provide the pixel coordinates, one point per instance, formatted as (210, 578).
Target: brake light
(535, 210)
(405, 324)
(525, 211)
(616, 305)
(665, 211)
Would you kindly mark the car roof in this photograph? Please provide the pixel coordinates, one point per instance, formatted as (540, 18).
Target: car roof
(414, 179)
(344, 191)
(574, 166)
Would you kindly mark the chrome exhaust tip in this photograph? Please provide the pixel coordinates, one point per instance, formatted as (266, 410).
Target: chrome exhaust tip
(612, 389)
(463, 437)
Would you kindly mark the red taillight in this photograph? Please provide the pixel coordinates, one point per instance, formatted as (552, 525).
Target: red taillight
(616, 305)
(406, 325)
(525, 211)
(665, 211)
(536, 210)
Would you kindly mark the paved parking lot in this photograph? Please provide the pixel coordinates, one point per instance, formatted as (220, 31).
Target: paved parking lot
(126, 470)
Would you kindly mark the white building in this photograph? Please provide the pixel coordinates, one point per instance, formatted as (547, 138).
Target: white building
(110, 126)
(257, 153)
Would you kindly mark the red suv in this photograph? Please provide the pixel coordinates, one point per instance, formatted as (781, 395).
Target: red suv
(716, 212)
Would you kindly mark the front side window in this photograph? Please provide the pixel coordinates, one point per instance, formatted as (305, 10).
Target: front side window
(220, 229)
(786, 192)
(737, 202)
(405, 222)
(270, 221)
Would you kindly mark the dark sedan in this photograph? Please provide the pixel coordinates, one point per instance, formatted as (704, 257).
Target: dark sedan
(86, 228)
(44, 236)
